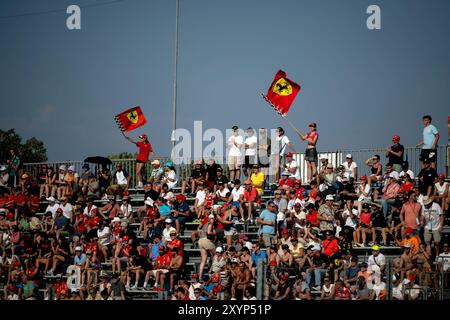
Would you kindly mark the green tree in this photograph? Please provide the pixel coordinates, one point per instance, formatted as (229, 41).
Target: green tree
(33, 150)
(122, 155)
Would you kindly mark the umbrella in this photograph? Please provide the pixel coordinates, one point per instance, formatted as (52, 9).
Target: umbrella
(98, 160)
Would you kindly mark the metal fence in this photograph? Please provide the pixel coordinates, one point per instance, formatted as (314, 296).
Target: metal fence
(184, 166)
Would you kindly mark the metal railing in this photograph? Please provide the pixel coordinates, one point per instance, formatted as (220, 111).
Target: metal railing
(336, 158)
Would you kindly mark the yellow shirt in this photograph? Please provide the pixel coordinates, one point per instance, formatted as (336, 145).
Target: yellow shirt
(257, 179)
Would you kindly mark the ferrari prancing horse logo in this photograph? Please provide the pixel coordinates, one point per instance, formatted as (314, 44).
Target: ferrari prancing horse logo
(133, 116)
(282, 87)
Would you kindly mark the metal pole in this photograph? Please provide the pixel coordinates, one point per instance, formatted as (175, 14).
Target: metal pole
(174, 98)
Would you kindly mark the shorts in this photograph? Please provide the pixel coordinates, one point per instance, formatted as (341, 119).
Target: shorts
(230, 232)
(206, 244)
(249, 161)
(264, 162)
(428, 235)
(140, 161)
(428, 154)
(311, 154)
(234, 162)
(269, 240)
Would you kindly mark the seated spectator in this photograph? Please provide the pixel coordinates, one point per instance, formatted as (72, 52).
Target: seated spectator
(375, 169)
(390, 190)
(198, 174)
(378, 223)
(120, 181)
(251, 200)
(170, 175)
(441, 192)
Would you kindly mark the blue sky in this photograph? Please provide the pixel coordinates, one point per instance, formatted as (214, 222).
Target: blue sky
(360, 86)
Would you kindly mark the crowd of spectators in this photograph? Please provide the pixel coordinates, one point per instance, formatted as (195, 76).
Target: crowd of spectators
(88, 242)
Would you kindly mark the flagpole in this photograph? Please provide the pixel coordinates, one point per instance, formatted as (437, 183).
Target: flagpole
(174, 98)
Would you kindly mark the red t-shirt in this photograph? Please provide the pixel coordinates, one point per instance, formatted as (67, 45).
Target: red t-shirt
(343, 293)
(313, 217)
(177, 243)
(298, 193)
(365, 217)
(152, 213)
(406, 187)
(312, 135)
(329, 249)
(285, 182)
(82, 225)
(164, 260)
(20, 200)
(144, 150)
(252, 195)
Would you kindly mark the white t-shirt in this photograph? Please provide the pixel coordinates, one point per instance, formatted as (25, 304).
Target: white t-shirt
(235, 151)
(222, 193)
(432, 216)
(121, 178)
(172, 175)
(441, 188)
(444, 259)
(349, 221)
(253, 143)
(409, 172)
(52, 209)
(201, 196)
(283, 142)
(366, 189)
(292, 165)
(349, 169)
(166, 233)
(89, 213)
(106, 240)
(237, 193)
(375, 263)
(67, 210)
(127, 210)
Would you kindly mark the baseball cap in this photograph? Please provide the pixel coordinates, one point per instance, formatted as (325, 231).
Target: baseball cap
(312, 124)
(408, 230)
(329, 197)
(211, 216)
(78, 248)
(71, 168)
(168, 220)
(394, 175)
(285, 230)
(116, 219)
(283, 277)
(297, 181)
(376, 248)
(85, 166)
(195, 275)
(161, 248)
(143, 136)
(363, 178)
(156, 161)
(329, 166)
(219, 249)
(51, 199)
(149, 201)
(234, 127)
(396, 138)
(348, 155)
(124, 224)
(289, 154)
(243, 237)
(173, 232)
(180, 197)
(248, 182)
(407, 245)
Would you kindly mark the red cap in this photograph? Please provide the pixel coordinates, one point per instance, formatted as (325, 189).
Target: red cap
(180, 197)
(161, 247)
(312, 124)
(408, 230)
(363, 178)
(283, 277)
(273, 263)
(289, 154)
(143, 136)
(441, 176)
(297, 181)
(125, 238)
(225, 205)
(285, 230)
(195, 275)
(59, 210)
(396, 138)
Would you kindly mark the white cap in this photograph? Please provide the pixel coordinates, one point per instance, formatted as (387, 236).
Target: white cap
(78, 249)
(2, 168)
(51, 199)
(168, 220)
(219, 249)
(211, 216)
(116, 219)
(149, 201)
(329, 197)
(348, 155)
(169, 196)
(301, 215)
(394, 175)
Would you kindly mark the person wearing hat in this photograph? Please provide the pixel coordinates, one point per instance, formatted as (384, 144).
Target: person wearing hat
(61, 184)
(350, 167)
(156, 175)
(395, 153)
(433, 222)
(170, 176)
(291, 166)
(168, 228)
(377, 261)
(324, 162)
(145, 149)
(311, 152)
(326, 214)
(235, 143)
(285, 182)
(125, 209)
(250, 146)
(52, 206)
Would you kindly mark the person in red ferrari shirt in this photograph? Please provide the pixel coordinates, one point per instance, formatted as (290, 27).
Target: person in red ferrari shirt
(311, 152)
(285, 180)
(330, 245)
(123, 252)
(251, 198)
(161, 266)
(175, 242)
(145, 148)
(297, 186)
(312, 215)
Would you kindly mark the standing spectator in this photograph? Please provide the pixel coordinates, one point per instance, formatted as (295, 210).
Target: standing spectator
(267, 219)
(283, 142)
(427, 176)
(311, 151)
(429, 142)
(441, 192)
(145, 148)
(395, 153)
(351, 168)
(235, 143)
(411, 212)
(250, 146)
(14, 165)
(264, 151)
(433, 222)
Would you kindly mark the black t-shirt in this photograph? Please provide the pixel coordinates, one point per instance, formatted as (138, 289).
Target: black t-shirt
(429, 175)
(222, 179)
(198, 173)
(394, 159)
(378, 220)
(212, 171)
(142, 262)
(45, 247)
(131, 236)
(152, 194)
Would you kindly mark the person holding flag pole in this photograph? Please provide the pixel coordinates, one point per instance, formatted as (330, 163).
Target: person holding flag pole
(311, 152)
(145, 148)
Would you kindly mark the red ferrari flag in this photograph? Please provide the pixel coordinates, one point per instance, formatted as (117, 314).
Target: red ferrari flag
(282, 93)
(130, 119)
